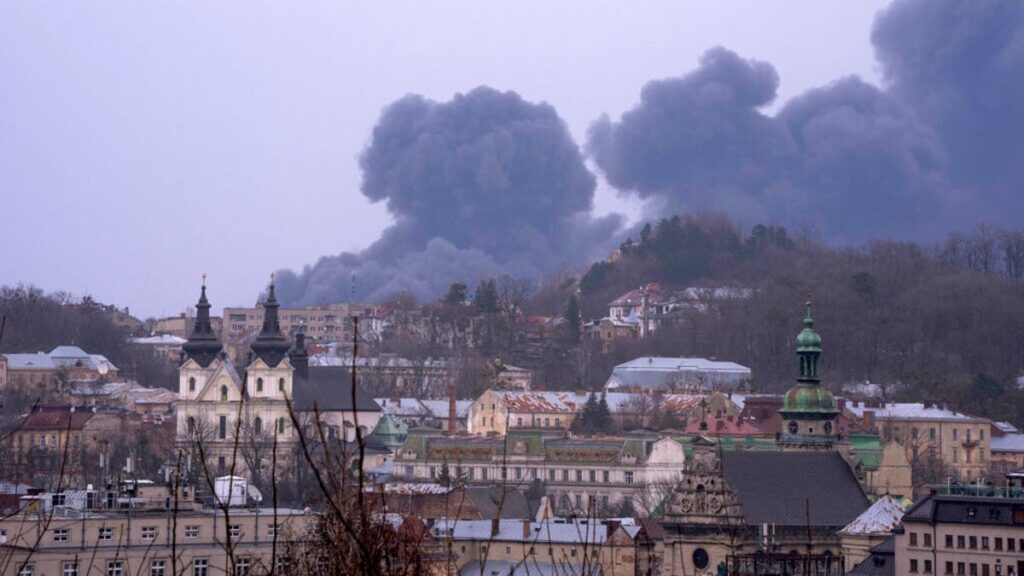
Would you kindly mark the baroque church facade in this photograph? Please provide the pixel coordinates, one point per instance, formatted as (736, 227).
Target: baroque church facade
(769, 511)
(238, 423)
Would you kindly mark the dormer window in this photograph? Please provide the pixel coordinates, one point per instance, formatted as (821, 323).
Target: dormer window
(259, 384)
(223, 393)
(191, 384)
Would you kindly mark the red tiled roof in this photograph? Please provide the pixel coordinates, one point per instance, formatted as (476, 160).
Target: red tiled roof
(55, 420)
(724, 427)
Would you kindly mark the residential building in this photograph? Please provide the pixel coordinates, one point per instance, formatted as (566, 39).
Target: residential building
(392, 374)
(65, 541)
(182, 325)
(961, 442)
(608, 474)
(963, 531)
(1007, 453)
(163, 345)
(63, 364)
(552, 546)
(429, 413)
(678, 374)
(328, 322)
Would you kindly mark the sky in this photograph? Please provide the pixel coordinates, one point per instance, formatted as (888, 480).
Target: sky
(144, 144)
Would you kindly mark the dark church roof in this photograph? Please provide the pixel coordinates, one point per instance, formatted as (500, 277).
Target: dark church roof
(881, 562)
(329, 388)
(777, 487)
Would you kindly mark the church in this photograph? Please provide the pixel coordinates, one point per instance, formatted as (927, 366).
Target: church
(238, 423)
(769, 511)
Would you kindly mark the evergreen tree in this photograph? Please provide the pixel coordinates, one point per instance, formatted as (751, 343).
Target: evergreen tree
(485, 299)
(602, 416)
(457, 294)
(572, 320)
(587, 421)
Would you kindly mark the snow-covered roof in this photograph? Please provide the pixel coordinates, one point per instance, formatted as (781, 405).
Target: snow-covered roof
(1006, 427)
(439, 408)
(1007, 443)
(908, 411)
(554, 531)
(61, 356)
(880, 518)
(564, 402)
(667, 372)
(159, 340)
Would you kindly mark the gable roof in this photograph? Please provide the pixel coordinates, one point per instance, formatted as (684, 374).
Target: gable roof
(329, 389)
(784, 487)
(55, 419)
(884, 515)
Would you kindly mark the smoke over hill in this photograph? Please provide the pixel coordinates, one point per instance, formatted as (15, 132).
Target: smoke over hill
(488, 183)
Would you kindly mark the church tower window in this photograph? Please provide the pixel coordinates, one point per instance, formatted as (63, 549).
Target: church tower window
(223, 393)
(257, 425)
(191, 384)
(259, 384)
(280, 384)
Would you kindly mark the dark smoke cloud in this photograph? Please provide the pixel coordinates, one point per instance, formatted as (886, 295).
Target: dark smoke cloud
(961, 66)
(484, 184)
(940, 144)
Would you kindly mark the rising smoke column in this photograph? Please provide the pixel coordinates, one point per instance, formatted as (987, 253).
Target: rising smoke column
(941, 145)
(484, 184)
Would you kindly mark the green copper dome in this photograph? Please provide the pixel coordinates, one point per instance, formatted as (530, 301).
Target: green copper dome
(808, 340)
(809, 399)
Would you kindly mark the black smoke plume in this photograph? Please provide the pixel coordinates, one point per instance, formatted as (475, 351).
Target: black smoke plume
(484, 184)
(940, 146)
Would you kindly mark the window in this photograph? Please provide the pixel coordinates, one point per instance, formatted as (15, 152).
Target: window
(913, 564)
(27, 570)
(927, 540)
(949, 567)
(115, 568)
(242, 567)
(974, 569)
(191, 384)
(956, 455)
(954, 434)
(234, 530)
(280, 425)
(259, 384)
(200, 567)
(984, 570)
(69, 569)
(483, 473)
(928, 566)
(981, 434)
(931, 433)
(961, 541)
(58, 499)
(973, 542)
(628, 477)
(913, 433)
(192, 531)
(572, 552)
(191, 425)
(149, 532)
(913, 538)
(222, 427)
(222, 465)
(105, 534)
(999, 543)
(257, 425)
(223, 393)
(558, 422)
(604, 476)
(565, 475)
(158, 568)
(273, 530)
(433, 472)
(984, 542)
(593, 475)
(579, 475)
(508, 550)
(551, 475)
(1010, 544)
(280, 384)
(61, 535)
(960, 568)
(519, 473)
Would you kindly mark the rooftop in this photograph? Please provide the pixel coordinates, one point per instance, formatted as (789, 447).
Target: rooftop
(909, 411)
(884, 515)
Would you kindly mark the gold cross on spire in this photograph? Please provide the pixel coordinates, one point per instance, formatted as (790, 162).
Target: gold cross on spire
(271, 277)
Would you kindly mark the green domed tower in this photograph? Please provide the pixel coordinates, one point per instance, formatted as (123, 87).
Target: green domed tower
(808, 410)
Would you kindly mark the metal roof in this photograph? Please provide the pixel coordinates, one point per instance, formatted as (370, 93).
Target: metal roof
(553, 531)
(908, 411)
(884, 515)
(1007, 443)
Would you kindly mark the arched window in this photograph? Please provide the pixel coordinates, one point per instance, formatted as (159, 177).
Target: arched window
(259, 384)
(280, 425)
(223, 393)
(280, 385)
(257, 425)
(191, 425)
(191, 384)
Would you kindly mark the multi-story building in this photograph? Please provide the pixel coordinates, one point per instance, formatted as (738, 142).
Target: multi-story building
(162, 345)
(331, 322)
(963, 530)
(551, 546)
(156, 542)
(871, 529)
(229, 413)
(679, 374)
(182, 325)
(580, 474)
(929, 432)
(63, 364)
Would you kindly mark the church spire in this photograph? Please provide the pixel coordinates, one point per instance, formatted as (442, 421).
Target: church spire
(202, 345)
(271, 345)
(808, 349)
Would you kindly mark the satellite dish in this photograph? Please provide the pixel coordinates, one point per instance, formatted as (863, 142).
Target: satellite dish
(103, 368)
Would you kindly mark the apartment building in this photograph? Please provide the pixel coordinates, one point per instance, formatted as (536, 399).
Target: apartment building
(194, 542)
(963, 531)
(607, 474)
(45, 369)
(318, 322)
(551, 546)
(960, 441)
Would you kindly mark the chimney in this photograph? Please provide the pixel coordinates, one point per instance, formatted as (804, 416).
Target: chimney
(526, 528)
(452, 420)
(869, 419)
(613, 525)
(495, 527)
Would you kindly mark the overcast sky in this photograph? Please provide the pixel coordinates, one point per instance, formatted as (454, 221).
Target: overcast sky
(142, 144)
